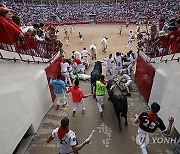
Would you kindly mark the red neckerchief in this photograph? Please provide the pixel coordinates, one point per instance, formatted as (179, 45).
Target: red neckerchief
(62, 132)
(152, 116)
(103, 81)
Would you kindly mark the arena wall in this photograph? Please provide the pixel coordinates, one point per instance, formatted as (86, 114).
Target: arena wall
(165, 88)
(25, 99)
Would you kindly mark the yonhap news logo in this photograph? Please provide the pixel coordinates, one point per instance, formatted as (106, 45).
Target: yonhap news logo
(143, 140)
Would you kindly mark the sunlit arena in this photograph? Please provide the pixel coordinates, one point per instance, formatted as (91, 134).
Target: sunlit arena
(89, 77)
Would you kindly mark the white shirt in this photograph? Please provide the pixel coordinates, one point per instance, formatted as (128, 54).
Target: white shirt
(64, 67)
(109, 61)
(126, 77)
(84, 53)
(66, 143)
(118, 60)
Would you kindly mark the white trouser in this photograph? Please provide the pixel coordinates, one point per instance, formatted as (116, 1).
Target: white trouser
(67, 77)
(123, 70)
(80, 67)
(76, 104)
(116, 70)
(128, 83)
(142, 142)
(109, 69)
(67, 42)
(60, 98)
(100, 102)
(130, 66)
(81, 40)
(85, 60)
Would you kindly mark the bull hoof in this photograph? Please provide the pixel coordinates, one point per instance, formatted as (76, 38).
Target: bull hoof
(126, 123)
(120, 129)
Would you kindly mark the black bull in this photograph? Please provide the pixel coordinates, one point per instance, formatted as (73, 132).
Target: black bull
(118, 100)
(95, 75)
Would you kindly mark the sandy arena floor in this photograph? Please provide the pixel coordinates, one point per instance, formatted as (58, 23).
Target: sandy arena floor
(107, 138)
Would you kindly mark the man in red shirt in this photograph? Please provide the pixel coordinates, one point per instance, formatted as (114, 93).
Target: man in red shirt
(77, 97)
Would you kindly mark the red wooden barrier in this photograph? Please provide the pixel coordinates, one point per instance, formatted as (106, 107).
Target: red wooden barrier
(52, 71)
(144, 77)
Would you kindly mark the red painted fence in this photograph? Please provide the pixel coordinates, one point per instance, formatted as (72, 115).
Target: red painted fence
(144, 77)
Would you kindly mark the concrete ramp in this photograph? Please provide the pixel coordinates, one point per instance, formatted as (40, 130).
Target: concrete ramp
(24, 100)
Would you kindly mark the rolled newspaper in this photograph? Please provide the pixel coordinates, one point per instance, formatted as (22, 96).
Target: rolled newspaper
(89, 138)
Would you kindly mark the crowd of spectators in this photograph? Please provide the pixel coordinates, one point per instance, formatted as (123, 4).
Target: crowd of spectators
(161, 39)
(27, 33)
(143, 10)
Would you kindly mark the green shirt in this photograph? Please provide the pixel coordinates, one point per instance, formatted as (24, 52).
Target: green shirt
(100, 88)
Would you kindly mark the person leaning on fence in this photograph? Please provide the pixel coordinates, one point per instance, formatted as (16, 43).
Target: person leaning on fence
(10, 30)
(59, 89)
(66, 138)
(149, 122)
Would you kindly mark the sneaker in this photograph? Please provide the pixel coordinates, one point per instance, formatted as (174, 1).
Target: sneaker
(101, 114)
(74, 113)
(128, 94)
(83, 111)
(64, 105)
(57, 108)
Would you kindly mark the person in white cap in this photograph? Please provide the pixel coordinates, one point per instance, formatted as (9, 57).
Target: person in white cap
(66, 138)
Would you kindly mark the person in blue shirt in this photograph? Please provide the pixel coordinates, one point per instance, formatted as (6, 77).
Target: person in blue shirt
(59, 91)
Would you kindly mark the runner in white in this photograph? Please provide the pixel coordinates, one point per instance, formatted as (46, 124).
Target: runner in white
(128, 82)
(109, 60)
(84, 58)
(64, 71)
(66, 138)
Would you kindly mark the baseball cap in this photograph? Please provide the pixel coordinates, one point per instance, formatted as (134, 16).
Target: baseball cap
(65, 122)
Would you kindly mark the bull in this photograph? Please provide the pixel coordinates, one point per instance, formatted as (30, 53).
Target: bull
(104, 44)
(118, 100)
(95, 75)
(93, 51)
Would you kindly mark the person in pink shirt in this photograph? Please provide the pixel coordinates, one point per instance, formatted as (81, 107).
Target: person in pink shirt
(77, 97)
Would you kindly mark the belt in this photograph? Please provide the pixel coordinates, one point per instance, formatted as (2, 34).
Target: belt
(84, 56)
(100, 95)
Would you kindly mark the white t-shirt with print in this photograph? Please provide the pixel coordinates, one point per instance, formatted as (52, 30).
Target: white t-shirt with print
(66, 143)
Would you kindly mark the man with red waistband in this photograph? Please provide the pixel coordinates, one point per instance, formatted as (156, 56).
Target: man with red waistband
(149, 122)
(66, 138)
